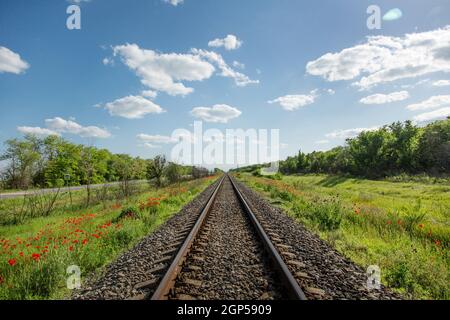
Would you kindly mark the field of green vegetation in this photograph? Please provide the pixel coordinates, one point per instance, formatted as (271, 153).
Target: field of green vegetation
(41, 237)
(403, 227)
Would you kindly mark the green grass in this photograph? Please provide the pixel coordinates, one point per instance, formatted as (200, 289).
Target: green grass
(89, 238)
(403, 227)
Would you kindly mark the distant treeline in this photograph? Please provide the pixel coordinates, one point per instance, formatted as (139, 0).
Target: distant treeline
(54, 161)
(399, 148)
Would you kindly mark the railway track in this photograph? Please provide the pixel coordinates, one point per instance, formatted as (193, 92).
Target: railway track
(225, 253)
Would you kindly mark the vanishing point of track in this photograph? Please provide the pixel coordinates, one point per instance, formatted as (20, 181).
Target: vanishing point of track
(227, 254)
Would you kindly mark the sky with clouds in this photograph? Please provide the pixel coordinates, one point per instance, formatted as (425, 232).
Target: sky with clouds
(138, 70)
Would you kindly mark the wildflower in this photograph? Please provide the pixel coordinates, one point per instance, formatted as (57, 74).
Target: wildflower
(399, 222)
(21, 254)
(85, 241)
(12, 262)
(437, 243)
(71, 248)
(389, 222)
(421, 226)
(36, 256)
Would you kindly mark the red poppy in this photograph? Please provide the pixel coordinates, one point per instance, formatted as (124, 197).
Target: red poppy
(85, 241)
(437, 242)
(36, 256)
(12, 262)
(21, 254)
(71, 248)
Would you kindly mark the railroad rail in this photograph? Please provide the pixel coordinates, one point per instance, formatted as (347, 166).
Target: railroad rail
(166, 287)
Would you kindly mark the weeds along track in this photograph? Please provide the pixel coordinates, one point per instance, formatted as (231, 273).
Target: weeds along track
(229, 243)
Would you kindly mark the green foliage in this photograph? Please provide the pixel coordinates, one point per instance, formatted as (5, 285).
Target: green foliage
(396, 149)
(128, 212)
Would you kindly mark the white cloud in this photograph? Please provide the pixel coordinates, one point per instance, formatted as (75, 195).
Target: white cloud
(295, 101)
(383, 59)
(149, 94)
(132, 107)
(163, 72)
(174, 2)
(38, 131)
(324, 141)
(380, 98)
(108, 61)
(433, 115)
(230, 42)
(348, 133)
(221, 113)
(11, 62)
(155, 139)
(240, 79)
(239, 65)
(441, 83)
(432, 102)
(60, 125)
(331, 91)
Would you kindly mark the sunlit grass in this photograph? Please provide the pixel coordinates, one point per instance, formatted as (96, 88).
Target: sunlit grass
(403, 227)
(34, 256)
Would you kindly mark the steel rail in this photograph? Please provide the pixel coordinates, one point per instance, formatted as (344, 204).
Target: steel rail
(294, 291)
(163, 290)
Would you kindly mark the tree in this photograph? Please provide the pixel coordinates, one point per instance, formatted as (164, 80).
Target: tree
(155, 169)
(173, 172)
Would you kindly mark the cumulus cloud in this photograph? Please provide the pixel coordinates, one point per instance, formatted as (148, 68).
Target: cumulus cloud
(174, 2)
(158, 139)
(132, 107)
(433, 115)
(219, 113)
(61, 125)
(295, 101)
(11, 62)
(380, 98)
(441, 83)
(240, 79)
(383, 59)
(163, 72)
(431, 103)
(348, 133)
(230, 42)
(38, 131)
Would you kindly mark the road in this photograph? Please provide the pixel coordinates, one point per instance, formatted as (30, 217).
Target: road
(12, 195)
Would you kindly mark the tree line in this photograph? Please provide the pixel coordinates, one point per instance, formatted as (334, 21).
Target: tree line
(398, 148)
(54, 162)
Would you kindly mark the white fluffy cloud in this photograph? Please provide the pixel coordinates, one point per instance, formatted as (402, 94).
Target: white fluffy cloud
(174, 2)
(380, 98)
(432, 102)
(441, 83)
(240, 79)
(61, 125)
(132, 107)
(230, 42)
(295, 101)
(348, 133)
(158, 139)
(220, 113)
(163, 72)
(38, 131)
(383, 59)
(11, 62)
(433, 115)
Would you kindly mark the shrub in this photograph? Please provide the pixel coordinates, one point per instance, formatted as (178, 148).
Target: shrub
(129, 212)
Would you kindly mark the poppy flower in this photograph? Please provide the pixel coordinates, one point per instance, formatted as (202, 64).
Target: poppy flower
(12, 262)
(36, 256)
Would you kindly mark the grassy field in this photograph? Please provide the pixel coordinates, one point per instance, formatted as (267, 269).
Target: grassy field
(36, 251)
(403, 227)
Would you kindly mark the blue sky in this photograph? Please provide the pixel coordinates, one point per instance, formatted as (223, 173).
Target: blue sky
(299, 66)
